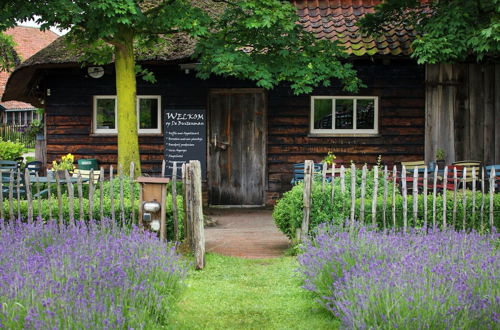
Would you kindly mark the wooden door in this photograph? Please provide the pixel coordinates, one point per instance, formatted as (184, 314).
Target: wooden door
(237, 147)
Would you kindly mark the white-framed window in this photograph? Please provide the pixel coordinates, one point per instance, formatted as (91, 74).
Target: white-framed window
(344, 115)
(148, 114)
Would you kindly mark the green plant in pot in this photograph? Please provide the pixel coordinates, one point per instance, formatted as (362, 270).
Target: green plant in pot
(35, 129)
(65, 164)
(440, 155)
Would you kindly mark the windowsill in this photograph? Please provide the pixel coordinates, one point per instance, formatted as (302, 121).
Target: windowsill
(344, 135)
(115, 134)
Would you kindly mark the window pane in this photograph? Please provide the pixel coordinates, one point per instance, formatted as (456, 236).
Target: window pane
(365, 113)
(343, 113)
(148, 113)
(105, 114)
(322, 113)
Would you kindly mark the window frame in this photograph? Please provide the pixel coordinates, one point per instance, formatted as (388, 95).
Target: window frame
(104, 130)
(148, 130)
(346, 132)
(114, 131)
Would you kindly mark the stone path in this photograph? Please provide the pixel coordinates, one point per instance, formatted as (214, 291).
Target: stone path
(247, 233)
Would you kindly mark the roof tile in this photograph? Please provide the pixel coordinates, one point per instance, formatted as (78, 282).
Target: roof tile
(336, 20)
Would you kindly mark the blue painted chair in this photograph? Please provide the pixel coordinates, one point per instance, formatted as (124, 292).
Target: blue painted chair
(298, 172)
(497, 175)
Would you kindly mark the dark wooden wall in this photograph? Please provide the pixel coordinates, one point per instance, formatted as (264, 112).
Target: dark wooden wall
(399, 84)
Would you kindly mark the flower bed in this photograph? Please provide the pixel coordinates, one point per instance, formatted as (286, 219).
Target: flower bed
(439, 280)
(84, 276)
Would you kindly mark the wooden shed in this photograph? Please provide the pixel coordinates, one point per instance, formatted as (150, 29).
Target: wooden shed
(252, 137)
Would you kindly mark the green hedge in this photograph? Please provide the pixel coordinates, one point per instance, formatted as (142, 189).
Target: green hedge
(53, 204)
(288, 211)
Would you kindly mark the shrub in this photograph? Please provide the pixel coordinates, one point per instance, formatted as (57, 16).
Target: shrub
(288, 211)
(11, 150)
(440, 280)
(85, 277)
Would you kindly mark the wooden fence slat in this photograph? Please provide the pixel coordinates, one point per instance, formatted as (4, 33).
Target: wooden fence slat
(11, 195)
(473, 196)
(18, 193)
(163, 169)
(375, 195)
(49, 198)
(464, 197)
(122, 199)
(455, 185)
(29, 196)
(308, 181)
(353, 195)
(91, 195)
(80, 195)
(112, 193)
(185, 220)
(492, 192)
(175, 216)
(59, 198)
(163, 217)
(445, 185)
(69, 186)
(342, 179)
(394, 179)
(101, 195)
(198, 233)
(363, 192)
(434, 197)
(426, 181)
(333, 183)
(132, 192)
(39, 197)
(482, 198)
(188, 208)
(384, 207)
(415, 195)
(323, 176)
(405, 198)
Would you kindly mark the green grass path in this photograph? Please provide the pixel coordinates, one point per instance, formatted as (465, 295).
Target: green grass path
(234, 293)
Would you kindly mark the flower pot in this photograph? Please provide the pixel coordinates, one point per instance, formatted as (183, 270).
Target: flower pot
(61, 174)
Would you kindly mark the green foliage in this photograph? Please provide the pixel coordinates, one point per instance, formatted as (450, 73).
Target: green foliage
(329, 158)
(11, 150)
(288, 211)
(8, 56)
(455, 31)
(440, 154)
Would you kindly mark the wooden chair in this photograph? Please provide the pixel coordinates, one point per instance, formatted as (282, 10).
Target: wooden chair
(34, 167)
(86, 175)
(487, 172)
(298, 172)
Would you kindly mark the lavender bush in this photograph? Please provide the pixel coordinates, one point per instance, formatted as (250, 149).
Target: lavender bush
(439, 280)
(84, 276)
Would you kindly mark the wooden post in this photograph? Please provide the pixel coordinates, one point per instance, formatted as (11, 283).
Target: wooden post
(464, 197)
(384, 207)
(482, 199)
(187, 233)
(49, 198)
(101, 195)
(434, 196)
(175, 216)
(492, 192)
(353, 195)
(308, 181)
(71, 197)
(122, 199)
(342, 179)
(363, 192)
(323, 176)
(426, 180)
(59, 199)
(394, 179)
(39, 198)
(18, 181)
(455, 184)
(111, 193)
(91, 195)
(132, 192)
(375, 193)
(163, 163)
(445, 185)
(11, 195)
(415, 195)
(198, 233)
(29, 196)
(189, 214)
(333, 183)
(405, 200)
(163, 216)
(80, 194)
(1, 197)
(473, 195)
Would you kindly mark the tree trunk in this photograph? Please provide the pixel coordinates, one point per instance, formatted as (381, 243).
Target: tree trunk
(126, 89)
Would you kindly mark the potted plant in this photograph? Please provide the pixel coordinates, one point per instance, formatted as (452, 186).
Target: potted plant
(65, 164)
(35, 129)
(440, 155)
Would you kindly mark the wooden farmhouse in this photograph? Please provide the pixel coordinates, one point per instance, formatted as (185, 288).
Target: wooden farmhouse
(249, 138)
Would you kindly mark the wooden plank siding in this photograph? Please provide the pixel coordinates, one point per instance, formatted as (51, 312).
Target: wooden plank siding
(398, 84)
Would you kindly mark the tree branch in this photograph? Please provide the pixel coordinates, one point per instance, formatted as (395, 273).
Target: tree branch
(158, 8)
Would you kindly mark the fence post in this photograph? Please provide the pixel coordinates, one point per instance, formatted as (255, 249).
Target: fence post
(132, 192)
(394, 179)
(29, 196)
(384, 210)
(455, 183)
(415, 195)
(363, 192)
(426, 178)
(405, 199)
(464, 197)
(323, 176)
(333, 182)
(473, 195)
(434, 196)
(174, 202)
(375, 193)
(353, 195)
(445, 185)
(307, 196)
(71, 196)
(482, 199)
(197, 203)
(492, 191)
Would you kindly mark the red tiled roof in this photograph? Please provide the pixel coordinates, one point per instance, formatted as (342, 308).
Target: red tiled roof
(29, 40)
(336, 20)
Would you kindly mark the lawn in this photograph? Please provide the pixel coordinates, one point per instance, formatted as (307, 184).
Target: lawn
(234, 293)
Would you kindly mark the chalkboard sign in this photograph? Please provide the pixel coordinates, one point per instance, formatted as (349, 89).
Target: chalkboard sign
(185, 138)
